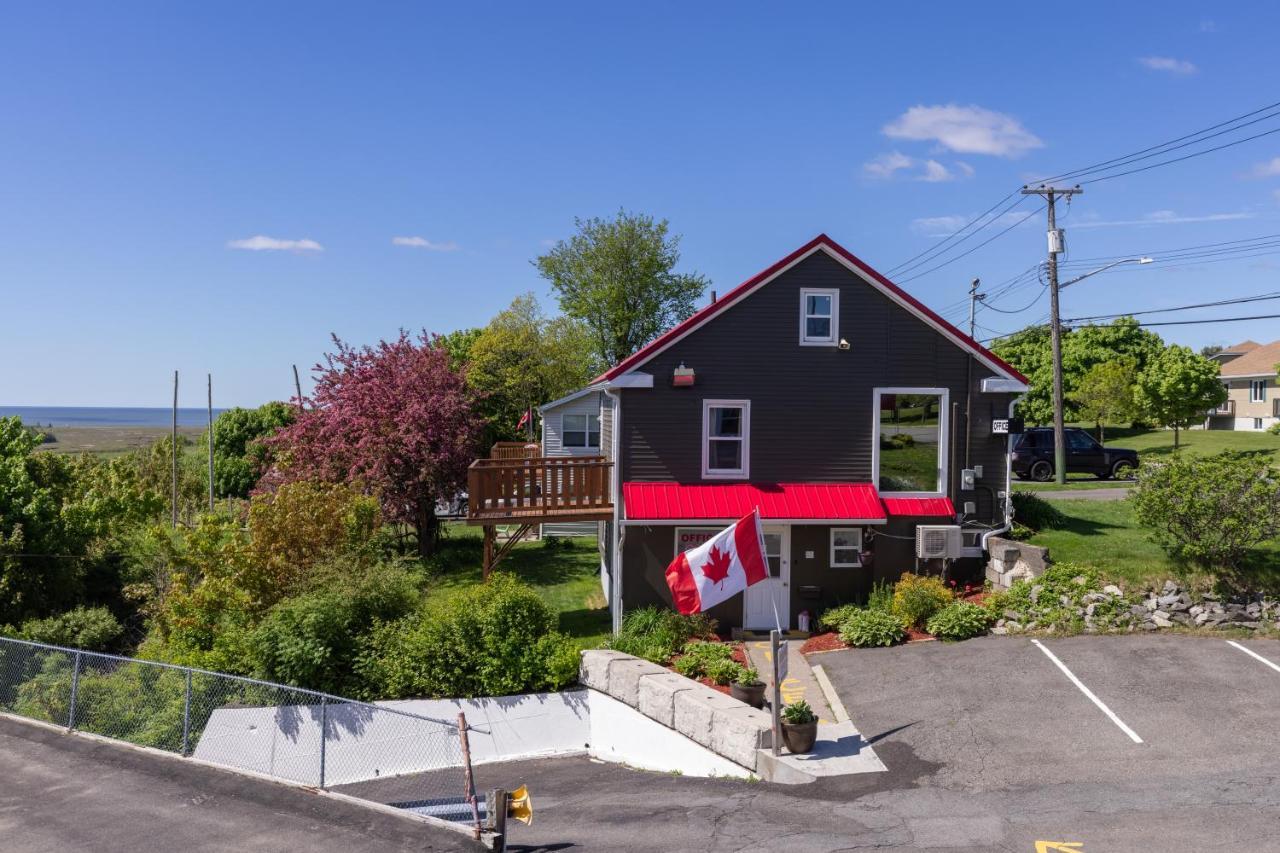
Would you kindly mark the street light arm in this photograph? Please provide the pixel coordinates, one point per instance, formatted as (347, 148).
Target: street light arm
(1079, 278)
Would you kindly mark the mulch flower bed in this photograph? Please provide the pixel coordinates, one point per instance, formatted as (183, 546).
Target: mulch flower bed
(827, 642)
(739, 656)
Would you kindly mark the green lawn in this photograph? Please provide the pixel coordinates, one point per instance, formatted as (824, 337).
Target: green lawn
(566, 575)
(1104, 534)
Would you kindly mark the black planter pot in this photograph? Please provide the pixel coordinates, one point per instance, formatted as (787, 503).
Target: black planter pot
(799, 737)
(752, 694)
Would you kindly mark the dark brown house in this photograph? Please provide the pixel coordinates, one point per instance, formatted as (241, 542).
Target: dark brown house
(870, 433)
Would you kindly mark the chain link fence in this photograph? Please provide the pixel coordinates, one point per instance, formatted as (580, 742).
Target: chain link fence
(273, 730)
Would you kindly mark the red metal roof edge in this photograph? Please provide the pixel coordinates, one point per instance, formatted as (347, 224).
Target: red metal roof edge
(919, 506)
(641, 355)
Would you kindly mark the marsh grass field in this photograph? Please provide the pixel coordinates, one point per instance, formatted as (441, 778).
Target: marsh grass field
(109, 440)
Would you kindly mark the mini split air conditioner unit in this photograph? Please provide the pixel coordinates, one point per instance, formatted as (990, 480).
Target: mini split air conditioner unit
(939, 541)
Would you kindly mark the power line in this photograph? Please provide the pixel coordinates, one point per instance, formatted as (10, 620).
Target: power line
(953, 235)
(974, 249)
(1183, 157)
(1214, 320)
(1237, 301)
(938, 251)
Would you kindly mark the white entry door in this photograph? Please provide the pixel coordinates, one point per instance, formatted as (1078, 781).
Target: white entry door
(773, 594)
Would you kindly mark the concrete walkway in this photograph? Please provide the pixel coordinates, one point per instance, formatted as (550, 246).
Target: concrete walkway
(1111, 494)
(800, 682)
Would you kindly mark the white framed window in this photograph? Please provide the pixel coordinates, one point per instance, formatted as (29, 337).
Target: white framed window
(580, 432)
(909, 448)
(1257, 390)
(1257, 423)
(846, 547)
(819, 316)
(726, 439)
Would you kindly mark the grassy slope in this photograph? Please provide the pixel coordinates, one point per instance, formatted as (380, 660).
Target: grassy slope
(567, 577)
(1105, 534)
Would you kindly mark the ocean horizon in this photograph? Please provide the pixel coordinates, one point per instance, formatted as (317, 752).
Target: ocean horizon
(106, 416)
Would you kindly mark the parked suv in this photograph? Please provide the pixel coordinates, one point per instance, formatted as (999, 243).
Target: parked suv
(1033, 456)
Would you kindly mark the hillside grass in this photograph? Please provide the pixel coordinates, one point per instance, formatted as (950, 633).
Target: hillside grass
(1106, 535)
(566, 575)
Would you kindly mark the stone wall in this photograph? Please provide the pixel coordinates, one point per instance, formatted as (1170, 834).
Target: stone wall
(1010, 561)
(718, 722)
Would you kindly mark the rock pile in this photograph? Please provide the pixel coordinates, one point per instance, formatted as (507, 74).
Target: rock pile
(1111, 610)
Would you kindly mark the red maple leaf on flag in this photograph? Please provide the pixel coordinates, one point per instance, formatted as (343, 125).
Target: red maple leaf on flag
(716, 569)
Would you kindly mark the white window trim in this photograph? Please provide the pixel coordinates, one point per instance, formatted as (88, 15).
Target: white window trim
(1261, 386)
(586, 431)
(944, 442)
(805, 340)
(719, 474)
(1257, 423)
(832, 549)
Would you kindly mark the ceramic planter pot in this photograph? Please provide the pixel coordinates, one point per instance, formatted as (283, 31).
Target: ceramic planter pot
(752, 694)
(799, 737)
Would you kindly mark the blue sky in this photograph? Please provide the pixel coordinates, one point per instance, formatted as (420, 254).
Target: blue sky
(146, 145)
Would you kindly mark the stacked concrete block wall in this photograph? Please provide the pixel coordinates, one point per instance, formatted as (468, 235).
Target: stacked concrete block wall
(718, 722)
(1012, 561)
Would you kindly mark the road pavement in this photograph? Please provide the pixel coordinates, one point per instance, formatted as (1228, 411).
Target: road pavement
(61, 792)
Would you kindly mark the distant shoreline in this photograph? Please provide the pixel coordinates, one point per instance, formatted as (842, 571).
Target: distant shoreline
(108, 416)
(110, 439)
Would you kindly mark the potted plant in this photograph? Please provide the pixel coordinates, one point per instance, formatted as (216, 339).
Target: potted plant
(799, 727)
(748, 687)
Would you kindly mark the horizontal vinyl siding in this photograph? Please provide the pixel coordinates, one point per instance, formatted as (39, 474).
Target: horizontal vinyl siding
(811, 407)
(588, 404)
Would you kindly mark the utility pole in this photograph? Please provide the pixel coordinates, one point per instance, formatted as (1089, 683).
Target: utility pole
(974, 298)
(174, 453)
(210, 438)
(1056, 246)
(297, 386)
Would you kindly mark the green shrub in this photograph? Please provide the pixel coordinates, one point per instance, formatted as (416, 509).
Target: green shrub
(749, 676)
(725, 671)
(1036, 513)
(832, 619)
(1209, 510)
(657, 633)
(960, 621)
(700, 656)
(867, 628)
(917, 597)
(91, 628)
(491, 640)
(798, 713)
(1274, 429)
(881, 597)
(1054, 599)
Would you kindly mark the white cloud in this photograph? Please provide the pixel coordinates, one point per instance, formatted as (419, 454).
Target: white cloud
(886, 165)
(965, 130)
(1269, 169)
(424, 243)
(1168, 65)
(260, 243)
(935, 172)
(945, 226)
(1161, 217)
(965, 168)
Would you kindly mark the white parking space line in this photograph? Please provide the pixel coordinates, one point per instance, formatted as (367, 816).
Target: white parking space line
(1089, 693)
(1251, 653)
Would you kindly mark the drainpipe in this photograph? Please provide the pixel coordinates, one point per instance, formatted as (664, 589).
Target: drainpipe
(617, 533)
(1008, 483)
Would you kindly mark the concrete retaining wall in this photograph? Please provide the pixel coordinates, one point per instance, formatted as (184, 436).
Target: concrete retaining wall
(1012, 561)
(707, 717)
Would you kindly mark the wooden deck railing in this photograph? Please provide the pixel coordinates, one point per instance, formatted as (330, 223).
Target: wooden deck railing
(539, 488)
(516, 450)
(1228, 407)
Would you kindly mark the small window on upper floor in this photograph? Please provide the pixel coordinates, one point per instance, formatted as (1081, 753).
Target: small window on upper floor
(819, 317)
(580, 432)
(1257, 390)
(726, 439)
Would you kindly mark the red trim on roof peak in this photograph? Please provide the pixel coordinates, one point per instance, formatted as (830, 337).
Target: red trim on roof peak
(666, 338)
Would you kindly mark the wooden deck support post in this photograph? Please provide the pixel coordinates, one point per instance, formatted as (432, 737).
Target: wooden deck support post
(490, 533)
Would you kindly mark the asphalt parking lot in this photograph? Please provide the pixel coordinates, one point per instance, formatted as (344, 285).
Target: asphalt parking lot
(61, 792)
(990, 746)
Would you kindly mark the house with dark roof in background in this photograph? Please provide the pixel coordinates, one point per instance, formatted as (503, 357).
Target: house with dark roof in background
(1248, 372)
(871, 434)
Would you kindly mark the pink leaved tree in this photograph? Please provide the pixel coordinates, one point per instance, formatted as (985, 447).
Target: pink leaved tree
(394, 420)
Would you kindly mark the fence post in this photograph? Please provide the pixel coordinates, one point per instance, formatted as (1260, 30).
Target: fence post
(186, 719)
(324, 734)
(468, 781)
(75, 689)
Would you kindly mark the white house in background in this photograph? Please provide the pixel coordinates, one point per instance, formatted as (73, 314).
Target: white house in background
(571, 427)
(1248, 372)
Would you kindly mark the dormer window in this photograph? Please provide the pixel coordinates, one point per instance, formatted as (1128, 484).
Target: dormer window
(819, 317)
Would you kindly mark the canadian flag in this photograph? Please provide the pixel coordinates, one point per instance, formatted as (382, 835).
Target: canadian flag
(724, 566)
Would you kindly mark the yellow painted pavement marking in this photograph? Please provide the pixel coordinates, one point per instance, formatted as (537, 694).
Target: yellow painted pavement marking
(1059, 847)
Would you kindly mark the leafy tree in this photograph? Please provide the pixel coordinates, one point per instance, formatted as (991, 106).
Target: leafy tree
(1210, 510)
(1177, 388)
(238, 458)
(1105, 393)
(618, 277)
(1209, 350)
(458, 344)
(522, 359)
(394, 421)
(1030, 351)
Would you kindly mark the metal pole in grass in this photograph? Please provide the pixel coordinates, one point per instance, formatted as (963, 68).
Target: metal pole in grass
(324, 734)
(75, 690)
(186, 719)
